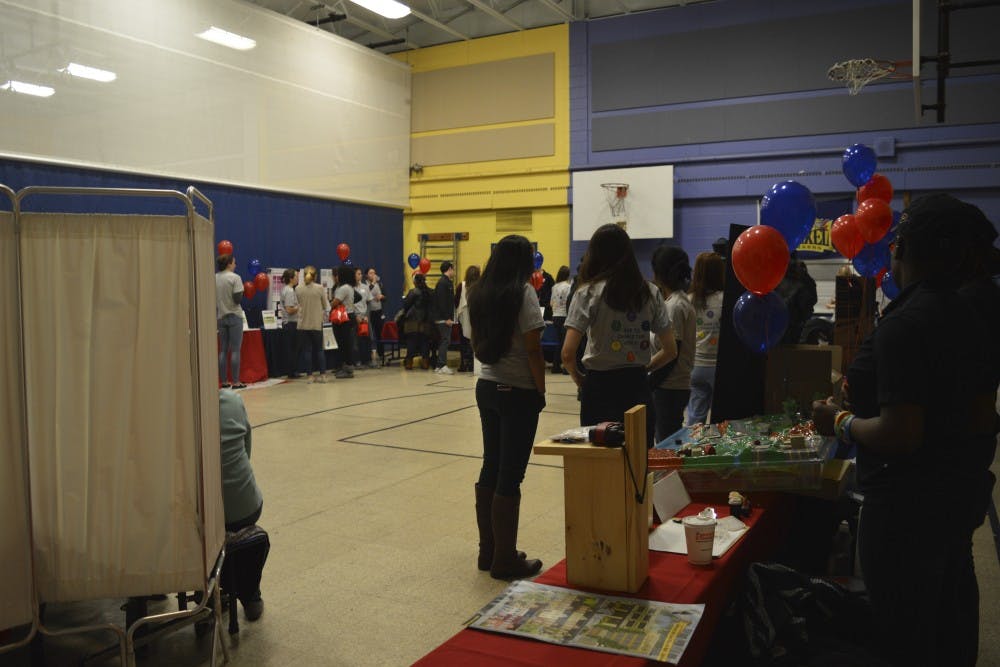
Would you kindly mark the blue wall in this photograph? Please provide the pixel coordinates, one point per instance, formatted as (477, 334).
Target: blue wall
(280, 230)
(646, 89)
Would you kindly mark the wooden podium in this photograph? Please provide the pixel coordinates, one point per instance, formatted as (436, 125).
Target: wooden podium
(607, 529)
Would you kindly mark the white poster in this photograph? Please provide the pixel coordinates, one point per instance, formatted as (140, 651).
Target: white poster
(274, 292)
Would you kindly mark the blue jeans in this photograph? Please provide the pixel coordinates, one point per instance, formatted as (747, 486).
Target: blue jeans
(702, 387)
(230, 339)
(444, 330)
(509, 416)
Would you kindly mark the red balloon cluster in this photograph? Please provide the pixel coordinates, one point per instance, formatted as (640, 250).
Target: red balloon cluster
(424, 266)
(870, 223)
(249, 290)
(343, 251)
(760, 258)
(224, 248)
(846, 236)
(537, 280)
(261, 281)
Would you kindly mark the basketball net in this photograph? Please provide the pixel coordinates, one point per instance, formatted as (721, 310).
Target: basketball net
(859, 73)
(615, 193)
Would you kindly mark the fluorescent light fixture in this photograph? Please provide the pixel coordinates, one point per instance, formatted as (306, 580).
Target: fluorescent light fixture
(387, 8)
(226, 38)
(28, 88)
(85, 72)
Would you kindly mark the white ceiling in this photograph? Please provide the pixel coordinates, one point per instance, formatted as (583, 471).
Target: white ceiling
(434, 22)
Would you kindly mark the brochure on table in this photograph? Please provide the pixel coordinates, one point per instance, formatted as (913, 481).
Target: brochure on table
(669, 498)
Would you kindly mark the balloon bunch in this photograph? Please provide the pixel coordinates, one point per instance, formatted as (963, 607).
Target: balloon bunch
(261, 281)
(418, 263)
(864, 237)
(760, 258)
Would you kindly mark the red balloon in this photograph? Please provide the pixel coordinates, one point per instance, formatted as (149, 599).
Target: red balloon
(846, 236)
(877, 187)
(249, 291)
(425, 265)
(537, 280)
(874, 218)
(760, 258)
(224, 248)
(343, 251)
(261, 281)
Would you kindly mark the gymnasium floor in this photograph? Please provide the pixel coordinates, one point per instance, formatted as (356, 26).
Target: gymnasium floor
(369, 505)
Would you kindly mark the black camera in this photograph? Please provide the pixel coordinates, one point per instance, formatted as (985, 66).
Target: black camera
(608, 434)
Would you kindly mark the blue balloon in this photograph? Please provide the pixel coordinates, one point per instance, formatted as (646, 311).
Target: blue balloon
(889, 286)
(413, 260)
(760, 321)
(253, 268)
(790, 208)
(859, 164)
(539, 260)
(873, 257)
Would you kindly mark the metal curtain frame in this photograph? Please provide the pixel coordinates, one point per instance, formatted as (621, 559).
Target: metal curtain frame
(10, 194)
(126, 636)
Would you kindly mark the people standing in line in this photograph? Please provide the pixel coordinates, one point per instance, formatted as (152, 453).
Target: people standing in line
(443, 314)
(346, 332)
(922, 414)
(376, 314)
(707, 282)
(560, 299)
(242, 501)
(462, 313)
(416, 311)
(290, 323)
(229, 319)
(362, 303)
(617, 309)
(510, 393)
(313, 307)
(672, 384)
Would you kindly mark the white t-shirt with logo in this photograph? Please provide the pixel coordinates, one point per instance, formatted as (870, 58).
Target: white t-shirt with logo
(513, 368)
(707, 321)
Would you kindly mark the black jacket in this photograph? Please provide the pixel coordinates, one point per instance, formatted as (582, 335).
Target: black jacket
(443, 301)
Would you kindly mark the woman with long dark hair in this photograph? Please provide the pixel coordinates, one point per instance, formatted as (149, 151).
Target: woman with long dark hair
(617, 310)
(507, 329)
(345, 332)
(707, 282)
(922, 413)
(672, 386)
(416, 322)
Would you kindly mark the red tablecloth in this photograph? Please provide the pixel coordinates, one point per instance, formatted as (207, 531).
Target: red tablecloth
(671, 579)
(253, 363)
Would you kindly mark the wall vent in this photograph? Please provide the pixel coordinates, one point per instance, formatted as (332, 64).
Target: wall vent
(510, 222)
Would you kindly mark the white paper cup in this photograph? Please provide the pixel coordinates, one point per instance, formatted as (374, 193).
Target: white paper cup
(699, 532)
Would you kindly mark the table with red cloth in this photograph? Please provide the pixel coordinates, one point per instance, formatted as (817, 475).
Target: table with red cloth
(671, 579)
(253, 363)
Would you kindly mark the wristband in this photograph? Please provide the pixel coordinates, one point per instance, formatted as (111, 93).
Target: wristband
(846, 430)
(838, 423)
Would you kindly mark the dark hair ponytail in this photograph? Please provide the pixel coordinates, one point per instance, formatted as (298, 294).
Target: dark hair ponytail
(495, 299)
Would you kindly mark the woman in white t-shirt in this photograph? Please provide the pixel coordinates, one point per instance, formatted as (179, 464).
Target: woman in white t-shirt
(507, 329)
(345, 332)
(229, 318)
(617, 310)
(559, 301)
(672, 386)
(707, 283)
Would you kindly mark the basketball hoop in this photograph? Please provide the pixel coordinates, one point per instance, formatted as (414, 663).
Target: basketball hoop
(859, 73)
(616, 194)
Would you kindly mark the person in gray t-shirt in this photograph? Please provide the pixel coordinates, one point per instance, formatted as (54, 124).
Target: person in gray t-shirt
(672, 384)
(290, 304)
(229, 317)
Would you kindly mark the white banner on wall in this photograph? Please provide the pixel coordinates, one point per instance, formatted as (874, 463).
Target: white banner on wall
(641, 199)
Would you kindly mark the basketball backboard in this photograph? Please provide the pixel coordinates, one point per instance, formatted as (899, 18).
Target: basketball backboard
(648, 212)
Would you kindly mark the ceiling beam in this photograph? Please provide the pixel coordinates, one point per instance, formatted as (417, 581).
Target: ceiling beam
(482, 6)
(437, 24)
(559, 10)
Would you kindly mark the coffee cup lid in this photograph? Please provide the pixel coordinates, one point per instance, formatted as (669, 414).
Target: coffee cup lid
(704, 518)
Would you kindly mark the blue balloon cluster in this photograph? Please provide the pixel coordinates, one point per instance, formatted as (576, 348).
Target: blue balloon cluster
(760, 321)
(859, 164)
(413, 260)
(539, 260)
(790, 208)
(253, 268)
(873, 257)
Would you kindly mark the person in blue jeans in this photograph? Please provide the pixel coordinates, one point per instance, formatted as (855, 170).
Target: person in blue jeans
(507, 329)
(229, 316)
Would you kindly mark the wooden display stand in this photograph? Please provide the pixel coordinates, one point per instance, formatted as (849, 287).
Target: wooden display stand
(607, 530)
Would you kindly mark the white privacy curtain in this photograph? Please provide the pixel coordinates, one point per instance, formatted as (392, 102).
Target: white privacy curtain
(15, 554)
(121, 504)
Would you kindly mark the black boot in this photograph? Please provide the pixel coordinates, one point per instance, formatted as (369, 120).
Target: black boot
(506, 564)
(484, 519)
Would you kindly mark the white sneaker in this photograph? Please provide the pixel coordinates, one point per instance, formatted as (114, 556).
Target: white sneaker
(445, 370)
(437, 370)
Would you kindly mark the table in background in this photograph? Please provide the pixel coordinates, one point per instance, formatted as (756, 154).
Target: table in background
(253, 363)
(671, 579)
(276, 346)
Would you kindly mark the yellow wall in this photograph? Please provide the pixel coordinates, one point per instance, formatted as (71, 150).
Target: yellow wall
(464, 197)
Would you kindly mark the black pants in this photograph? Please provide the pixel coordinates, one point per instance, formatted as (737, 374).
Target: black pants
(363, 348)
(509, 416)
(376, 318)
(345, 334)
(670, 404)
(558, 323)
(291, 348)
(606, 395)
(416, 344)
(920, 579)
(313, 340)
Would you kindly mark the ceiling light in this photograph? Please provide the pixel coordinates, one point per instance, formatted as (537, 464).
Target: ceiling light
(387, 8)
(84, 72)
(226, 38)
(28, 88)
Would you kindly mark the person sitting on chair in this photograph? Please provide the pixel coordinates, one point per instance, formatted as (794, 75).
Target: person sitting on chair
(241, 496)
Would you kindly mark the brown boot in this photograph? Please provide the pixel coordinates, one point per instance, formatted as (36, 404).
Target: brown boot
(408, 363)
(425, 363)
(506, 564)
(484, 520)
